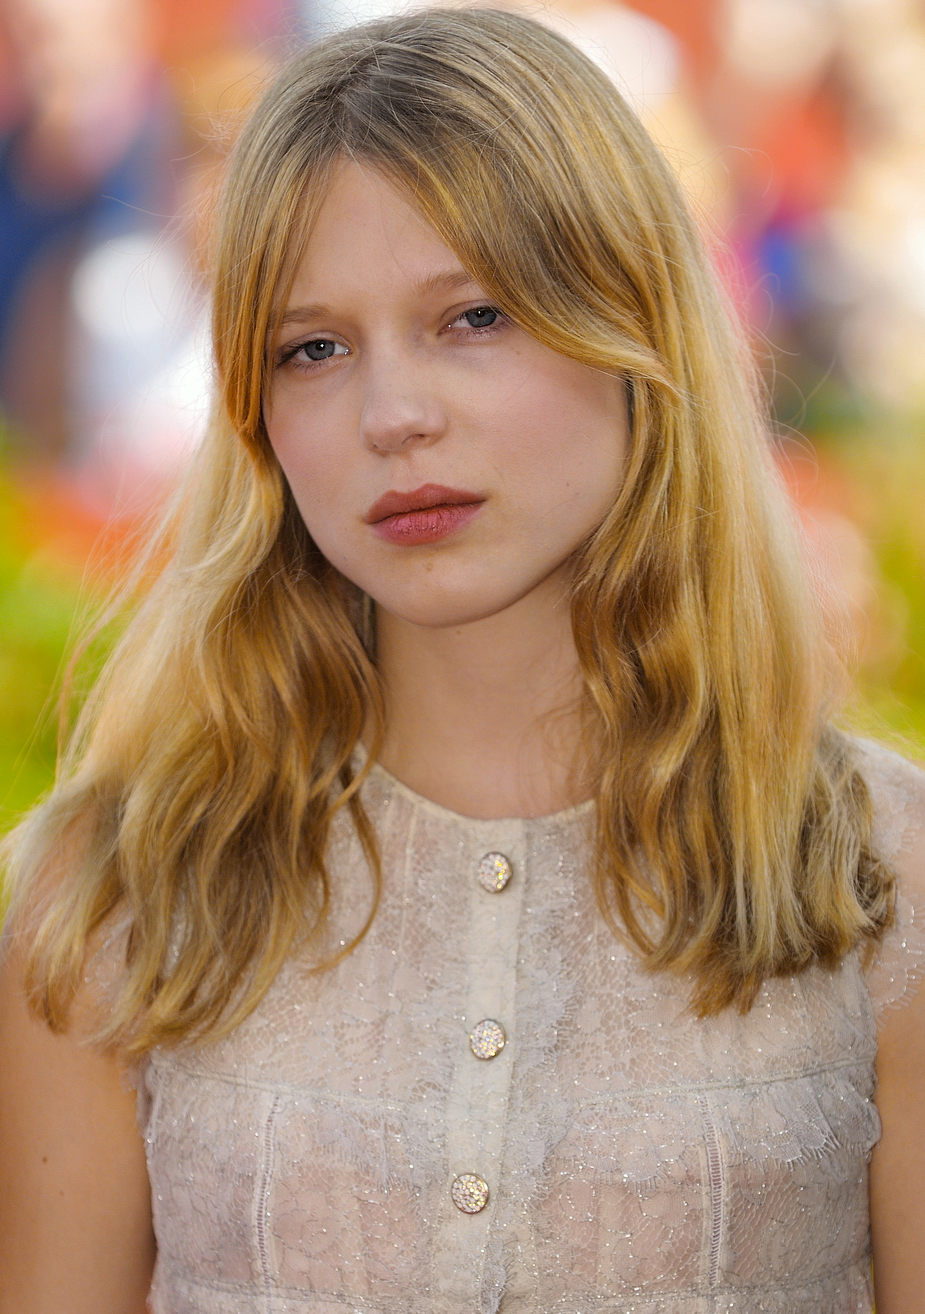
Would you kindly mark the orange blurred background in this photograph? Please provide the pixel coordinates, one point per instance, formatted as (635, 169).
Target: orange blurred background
(797, 128)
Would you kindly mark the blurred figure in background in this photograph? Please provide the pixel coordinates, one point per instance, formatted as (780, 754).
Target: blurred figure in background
(109, 138)
(84, 156)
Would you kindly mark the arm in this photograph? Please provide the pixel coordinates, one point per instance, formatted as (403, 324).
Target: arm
(75, 1210)
(897, 1170)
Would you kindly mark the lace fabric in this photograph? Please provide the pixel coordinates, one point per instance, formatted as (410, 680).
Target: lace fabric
(899, 835)
(637, 1158)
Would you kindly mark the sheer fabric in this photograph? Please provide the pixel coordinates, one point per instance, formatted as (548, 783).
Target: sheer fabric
(637, 1159)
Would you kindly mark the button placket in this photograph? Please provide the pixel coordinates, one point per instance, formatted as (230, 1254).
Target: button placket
(477, 1108)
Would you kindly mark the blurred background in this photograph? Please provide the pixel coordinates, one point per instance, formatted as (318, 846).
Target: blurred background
(797, 128)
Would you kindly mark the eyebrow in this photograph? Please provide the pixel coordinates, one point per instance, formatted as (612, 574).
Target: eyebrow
(440, 281)
(446, 281)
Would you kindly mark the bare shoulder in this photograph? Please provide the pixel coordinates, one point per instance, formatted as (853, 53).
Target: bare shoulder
(75, 1220)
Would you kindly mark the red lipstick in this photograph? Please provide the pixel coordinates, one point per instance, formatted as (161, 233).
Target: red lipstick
(424, 515)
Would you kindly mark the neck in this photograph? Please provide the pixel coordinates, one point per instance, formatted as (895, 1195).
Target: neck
(485, 718)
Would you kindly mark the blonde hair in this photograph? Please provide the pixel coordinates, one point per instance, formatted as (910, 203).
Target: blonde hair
(733, 828)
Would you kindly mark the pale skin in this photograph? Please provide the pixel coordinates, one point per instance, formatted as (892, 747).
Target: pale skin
(481, 676)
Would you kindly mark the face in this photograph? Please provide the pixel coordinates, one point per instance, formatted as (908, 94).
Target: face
(443, 459)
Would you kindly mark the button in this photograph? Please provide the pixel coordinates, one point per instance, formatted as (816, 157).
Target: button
(470, 1193)
(494, 872)
(487, 1039)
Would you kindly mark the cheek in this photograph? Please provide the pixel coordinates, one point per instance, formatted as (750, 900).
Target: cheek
(572, 442)
(306, 460)
(319, 474)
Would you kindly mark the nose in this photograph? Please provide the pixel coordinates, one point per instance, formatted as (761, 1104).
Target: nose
(401, 408)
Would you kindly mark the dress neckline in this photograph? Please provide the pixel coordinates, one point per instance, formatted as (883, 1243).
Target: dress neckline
(576, 812)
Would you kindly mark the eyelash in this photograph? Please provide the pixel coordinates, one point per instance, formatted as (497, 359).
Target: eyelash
(287, 356)
(484, 329)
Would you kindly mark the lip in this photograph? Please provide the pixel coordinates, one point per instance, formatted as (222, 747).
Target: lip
(424, 515)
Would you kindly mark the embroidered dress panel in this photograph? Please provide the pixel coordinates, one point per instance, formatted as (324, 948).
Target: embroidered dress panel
(347, 1150)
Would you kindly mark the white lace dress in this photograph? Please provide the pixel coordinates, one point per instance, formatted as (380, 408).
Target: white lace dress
(616, 1154)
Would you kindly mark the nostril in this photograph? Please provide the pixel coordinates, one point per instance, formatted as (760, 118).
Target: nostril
(394, 445)
(408, 424)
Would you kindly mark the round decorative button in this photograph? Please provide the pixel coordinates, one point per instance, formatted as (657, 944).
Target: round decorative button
(494, 872)
(487, 1039)
(470, 1193)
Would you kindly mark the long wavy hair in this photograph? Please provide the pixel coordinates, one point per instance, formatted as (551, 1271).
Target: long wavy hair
(733, 834)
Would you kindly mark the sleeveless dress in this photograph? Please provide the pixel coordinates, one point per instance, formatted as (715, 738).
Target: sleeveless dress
(488, 1106)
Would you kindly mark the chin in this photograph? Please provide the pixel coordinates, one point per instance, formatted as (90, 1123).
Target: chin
(441, 616)
(434, 609)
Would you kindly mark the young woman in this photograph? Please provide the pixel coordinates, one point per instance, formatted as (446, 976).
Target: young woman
(457, 897)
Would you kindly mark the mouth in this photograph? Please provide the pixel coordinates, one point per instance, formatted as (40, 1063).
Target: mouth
(424, 515)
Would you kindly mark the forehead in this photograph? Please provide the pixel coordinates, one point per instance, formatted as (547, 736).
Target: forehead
(367, 231)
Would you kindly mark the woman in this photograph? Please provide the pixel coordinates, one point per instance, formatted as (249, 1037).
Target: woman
(457, 855)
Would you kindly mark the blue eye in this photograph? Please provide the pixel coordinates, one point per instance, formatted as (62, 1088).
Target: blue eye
(480, 317)
(316, 351)
(319, 348)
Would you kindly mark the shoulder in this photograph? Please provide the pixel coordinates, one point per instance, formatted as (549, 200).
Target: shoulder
(897, 791)
(65, 947)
